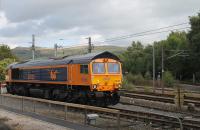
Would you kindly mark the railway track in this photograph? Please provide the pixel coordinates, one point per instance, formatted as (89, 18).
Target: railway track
(124, 112)
(162, 118)
(167, 98)
(185, 87)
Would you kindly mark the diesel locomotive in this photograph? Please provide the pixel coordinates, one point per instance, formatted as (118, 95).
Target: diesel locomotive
(93, 79)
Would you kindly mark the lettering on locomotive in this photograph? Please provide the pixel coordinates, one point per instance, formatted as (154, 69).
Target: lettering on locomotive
(53, 74)
(31, 76)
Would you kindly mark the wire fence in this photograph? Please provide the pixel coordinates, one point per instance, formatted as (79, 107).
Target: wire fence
(76, 113)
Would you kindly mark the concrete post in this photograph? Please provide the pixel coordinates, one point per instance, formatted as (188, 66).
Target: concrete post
(22, 104)
(34, 106)
(66, 109)
(85, 121)
(118, 120)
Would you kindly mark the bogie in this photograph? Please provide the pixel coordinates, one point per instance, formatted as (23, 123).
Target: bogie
(65, 94)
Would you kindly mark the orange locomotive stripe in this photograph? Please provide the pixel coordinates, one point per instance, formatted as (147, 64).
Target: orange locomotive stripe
(39, 81)
(45, 82)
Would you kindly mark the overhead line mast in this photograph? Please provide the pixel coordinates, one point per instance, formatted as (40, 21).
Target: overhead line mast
(154, 89)
(33, 47)
(89, 45)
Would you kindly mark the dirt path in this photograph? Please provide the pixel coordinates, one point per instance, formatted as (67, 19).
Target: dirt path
(21, 122)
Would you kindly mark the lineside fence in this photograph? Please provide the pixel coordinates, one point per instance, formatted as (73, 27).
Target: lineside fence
(76, 113)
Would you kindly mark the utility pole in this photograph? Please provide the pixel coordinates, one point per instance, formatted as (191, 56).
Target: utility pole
(61, 46)
(89, 45)
(56, 46)
(154, 89)
(33, 47)
(162, 70)
(55, 49)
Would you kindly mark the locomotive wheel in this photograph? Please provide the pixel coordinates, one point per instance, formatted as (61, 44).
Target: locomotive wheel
(92, 102)
(100, 102)
(82, 100)
(10, 90)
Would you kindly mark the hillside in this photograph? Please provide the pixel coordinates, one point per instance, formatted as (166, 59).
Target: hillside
(24, 53)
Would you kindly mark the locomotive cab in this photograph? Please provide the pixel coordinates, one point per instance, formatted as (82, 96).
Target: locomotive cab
(106, 74)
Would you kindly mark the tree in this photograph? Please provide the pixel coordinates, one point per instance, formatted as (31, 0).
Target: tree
(176, 43)
(6, 58)
(133, 59)
(5, 52)
(194, 33)
(138, 58)
(3, 65)
(194, 44)
(181, 54)
(147, 75)
(168, 79)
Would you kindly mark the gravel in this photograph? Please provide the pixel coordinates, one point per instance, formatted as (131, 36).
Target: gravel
(144, 109)
(21, 122)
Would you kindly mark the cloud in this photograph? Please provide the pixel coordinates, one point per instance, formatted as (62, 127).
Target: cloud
(72, 20)
(3, 20)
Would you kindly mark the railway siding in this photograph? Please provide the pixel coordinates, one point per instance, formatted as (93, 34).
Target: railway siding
(167, 98)
(115, 117)
(158, 116)
(150, 104)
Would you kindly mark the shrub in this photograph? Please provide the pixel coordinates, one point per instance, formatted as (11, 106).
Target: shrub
(139, 79)
(124, 82)
(147, 75)
(168, 79)
(3, 64)
(147, 89)
(127, 85)
(130, 77)
(135, 79)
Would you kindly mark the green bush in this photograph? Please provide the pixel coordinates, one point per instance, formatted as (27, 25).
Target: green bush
(147, 75)
(147, 89)
(168, 79)
(3, 64)
(139, 79)
(135, 79)
(127, 85)
(124, 82)
(129, 77)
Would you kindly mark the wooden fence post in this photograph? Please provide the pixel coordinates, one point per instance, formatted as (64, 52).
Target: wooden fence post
(1, 100)
(34, 105)
(22, 103)
(66, 109)
(118, 120)
(85, 121)
(49, 107)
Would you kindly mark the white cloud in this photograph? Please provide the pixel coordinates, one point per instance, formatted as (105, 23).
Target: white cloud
(3, 20)
(73, 20)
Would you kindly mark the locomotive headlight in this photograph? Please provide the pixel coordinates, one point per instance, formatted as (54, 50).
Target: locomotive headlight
(94, 86)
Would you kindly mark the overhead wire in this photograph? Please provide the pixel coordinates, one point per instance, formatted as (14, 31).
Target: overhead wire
(138, 34)
(144, 33)
(151, 30)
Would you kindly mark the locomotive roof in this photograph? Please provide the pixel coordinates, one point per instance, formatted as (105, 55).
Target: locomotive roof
(76, 59)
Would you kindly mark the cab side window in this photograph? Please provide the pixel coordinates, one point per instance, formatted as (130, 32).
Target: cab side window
(84, 69)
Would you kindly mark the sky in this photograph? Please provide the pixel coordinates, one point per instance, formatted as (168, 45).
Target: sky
(70, 22)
